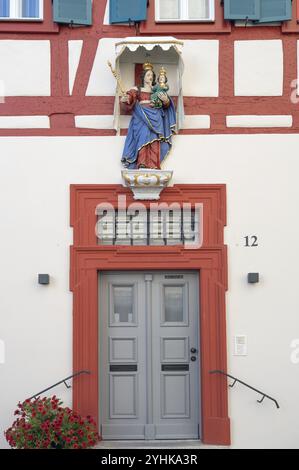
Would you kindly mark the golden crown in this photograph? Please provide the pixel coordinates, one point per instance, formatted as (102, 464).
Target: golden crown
(148, 66)
(162, 71)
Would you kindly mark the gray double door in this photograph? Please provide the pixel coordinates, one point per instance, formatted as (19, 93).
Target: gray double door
(149, 355)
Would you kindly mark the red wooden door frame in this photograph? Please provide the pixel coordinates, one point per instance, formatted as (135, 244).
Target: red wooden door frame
(88, 258)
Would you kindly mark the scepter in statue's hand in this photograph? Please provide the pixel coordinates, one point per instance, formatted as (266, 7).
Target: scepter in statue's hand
(119, 84)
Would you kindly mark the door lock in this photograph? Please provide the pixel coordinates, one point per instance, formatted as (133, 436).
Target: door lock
(193, 358)
(193, 350)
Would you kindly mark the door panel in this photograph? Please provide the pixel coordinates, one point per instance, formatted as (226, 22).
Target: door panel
(148, 327)
(175, 389)
(176, 381)
(175, 349)
(123, 396)
(122, 356)
(123, 350)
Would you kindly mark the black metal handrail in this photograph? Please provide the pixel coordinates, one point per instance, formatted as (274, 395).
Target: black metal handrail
(264, 395)
(63, 381)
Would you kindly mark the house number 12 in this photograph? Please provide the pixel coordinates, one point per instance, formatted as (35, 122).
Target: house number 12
(251, 241)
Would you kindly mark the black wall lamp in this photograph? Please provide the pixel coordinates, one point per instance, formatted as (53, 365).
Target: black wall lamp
(253, 278)
(44, 279)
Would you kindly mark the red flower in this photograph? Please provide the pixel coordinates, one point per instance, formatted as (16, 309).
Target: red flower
(43, 420)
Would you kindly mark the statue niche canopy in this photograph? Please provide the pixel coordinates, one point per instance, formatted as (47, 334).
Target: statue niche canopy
(160, 52)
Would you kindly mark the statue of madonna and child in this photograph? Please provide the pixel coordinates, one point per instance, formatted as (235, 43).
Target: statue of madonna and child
(153, 121)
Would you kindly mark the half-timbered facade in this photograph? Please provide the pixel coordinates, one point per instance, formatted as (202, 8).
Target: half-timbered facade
(234, 156)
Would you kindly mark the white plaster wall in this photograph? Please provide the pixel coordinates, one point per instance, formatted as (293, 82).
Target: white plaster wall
(259, 68)
(262, 199)
(2, 91)
(75, 49)
(259, 121)
(106, 15)
(201, 59)
(25, 67)
(24, 122)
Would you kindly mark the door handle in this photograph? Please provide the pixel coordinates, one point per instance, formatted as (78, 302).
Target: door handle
(193, 358)
(193, 350)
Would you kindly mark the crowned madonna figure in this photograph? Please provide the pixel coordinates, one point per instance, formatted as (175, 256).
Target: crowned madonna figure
(153, 122)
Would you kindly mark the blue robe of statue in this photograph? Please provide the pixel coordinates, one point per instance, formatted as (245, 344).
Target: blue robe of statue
(149, 125)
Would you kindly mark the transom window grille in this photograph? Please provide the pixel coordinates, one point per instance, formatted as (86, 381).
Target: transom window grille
(22, 10)
(185, 10)
(148, 227)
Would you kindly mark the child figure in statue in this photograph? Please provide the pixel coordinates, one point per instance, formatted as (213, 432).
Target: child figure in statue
(160, 87)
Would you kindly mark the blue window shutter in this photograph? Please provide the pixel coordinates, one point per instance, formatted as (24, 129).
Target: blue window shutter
(123, 11)
(30, 8)
(242, 9)
(4, 8)
(72, 11)
(275, 10)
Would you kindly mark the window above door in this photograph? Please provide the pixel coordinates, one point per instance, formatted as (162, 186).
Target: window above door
(21, 10)
(27, 16)
(185, 17)
(184, 10)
